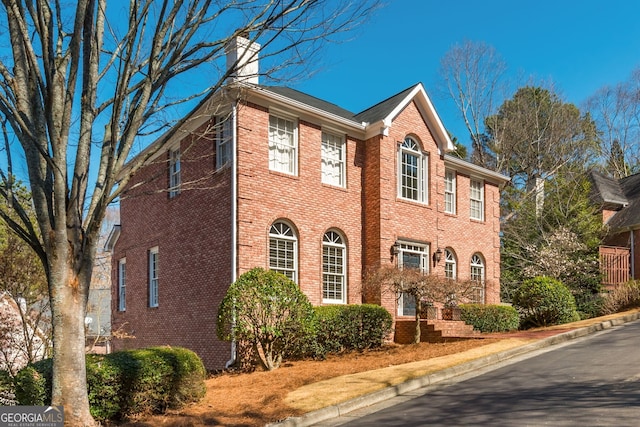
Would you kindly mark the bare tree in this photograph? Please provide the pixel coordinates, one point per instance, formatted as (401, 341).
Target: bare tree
(80, 83)
(472, 74)
(420, 286)
(616, 111)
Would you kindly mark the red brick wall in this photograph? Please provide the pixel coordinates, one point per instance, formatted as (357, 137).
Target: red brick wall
(193, 234)
(193, 230)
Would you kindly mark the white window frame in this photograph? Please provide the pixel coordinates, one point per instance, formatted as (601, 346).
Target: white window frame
(224, 141)
(283, 144)
(282, 243)
(175, 179)
(477, 275)
(122, 284)
(334, 268)
(333, 159)
(450, 191)
(154, 270)
(476, 199)
(406, 304)
(450, 264)
(417, 192)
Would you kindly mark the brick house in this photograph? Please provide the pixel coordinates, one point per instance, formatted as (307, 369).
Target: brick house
(620, 251)
(272, 177)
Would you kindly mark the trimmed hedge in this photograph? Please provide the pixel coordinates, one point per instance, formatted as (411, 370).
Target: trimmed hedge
(125, 383)
(341, 328)
(544, 301)
(490, 318)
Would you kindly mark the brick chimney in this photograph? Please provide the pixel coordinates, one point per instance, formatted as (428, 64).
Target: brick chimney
(243, 54)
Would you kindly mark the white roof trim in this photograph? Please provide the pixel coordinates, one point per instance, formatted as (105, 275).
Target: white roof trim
(463, 165)
(112, 238)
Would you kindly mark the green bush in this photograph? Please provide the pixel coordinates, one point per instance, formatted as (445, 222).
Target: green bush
(30, 387)
(342, 328)
(268, 310)
(543, 301)
(7, 395)
(125, 383)
(622, 297)
(490, 318)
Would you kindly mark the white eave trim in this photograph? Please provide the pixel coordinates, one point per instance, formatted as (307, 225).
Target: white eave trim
(464, 166)
(289, 103)
(112, 238)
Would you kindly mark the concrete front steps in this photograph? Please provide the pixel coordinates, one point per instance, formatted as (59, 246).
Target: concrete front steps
(433, 330)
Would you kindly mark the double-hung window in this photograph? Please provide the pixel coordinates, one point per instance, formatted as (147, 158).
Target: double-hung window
(450, 264)
(174, 172)
(122, 284)
(412, 172)
(450, 192)
(223, 141)
(333, 268)
(416, 256)
(153, 277)
(477, 277)
(476, 209)
(283, 250)
(332, 158)
(283, 145)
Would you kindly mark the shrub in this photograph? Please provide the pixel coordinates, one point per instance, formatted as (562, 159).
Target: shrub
(30, 387)
(342, 328)
(7, 394)
(622, 297)
(490, 318)
(125, 383)
(543, 301)
(268, 310)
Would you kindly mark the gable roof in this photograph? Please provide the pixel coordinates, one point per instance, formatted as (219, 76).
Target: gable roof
(622, 195)
(310, 100)
(383, 109)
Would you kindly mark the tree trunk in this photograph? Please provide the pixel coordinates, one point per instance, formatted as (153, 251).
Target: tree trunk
(68, 307)
(416, 337)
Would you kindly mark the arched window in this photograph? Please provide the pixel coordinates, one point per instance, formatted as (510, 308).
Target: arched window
(477, 276)
(412, 172)
(450, 264)
(334, 278)
(283, 250)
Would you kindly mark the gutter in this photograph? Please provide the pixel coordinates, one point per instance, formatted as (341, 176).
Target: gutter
(234, 216)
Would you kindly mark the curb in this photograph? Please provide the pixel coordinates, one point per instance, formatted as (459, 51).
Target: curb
(343, 408)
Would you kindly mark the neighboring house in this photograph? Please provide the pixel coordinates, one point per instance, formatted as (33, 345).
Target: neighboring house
(272, 177)
(20, 342)
(620, 251)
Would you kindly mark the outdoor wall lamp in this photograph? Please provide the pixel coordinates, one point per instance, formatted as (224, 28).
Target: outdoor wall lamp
(437, 255)
(395, 249)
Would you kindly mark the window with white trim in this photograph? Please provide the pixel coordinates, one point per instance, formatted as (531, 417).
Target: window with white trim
(122, 284)
(223, 141)
(283, 145)
(411, 255)
(283, 250)
(476, 207)
(153, 277)
(332, 158)
(412, 172)
(174, 172)
(334, 261)
(450, 264)
(450, 192)
(477, 276)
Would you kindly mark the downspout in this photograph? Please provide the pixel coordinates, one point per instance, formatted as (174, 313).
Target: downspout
(633, 254)
(234, 216)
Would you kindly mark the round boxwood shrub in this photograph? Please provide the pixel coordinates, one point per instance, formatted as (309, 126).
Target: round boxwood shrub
(125, 383)
(544, 301)
(489, 317)
(341, 328)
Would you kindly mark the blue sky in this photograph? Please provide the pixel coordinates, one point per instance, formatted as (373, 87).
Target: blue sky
(580, 46)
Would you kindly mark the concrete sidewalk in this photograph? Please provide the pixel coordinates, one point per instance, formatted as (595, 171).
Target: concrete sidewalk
(527, 344)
